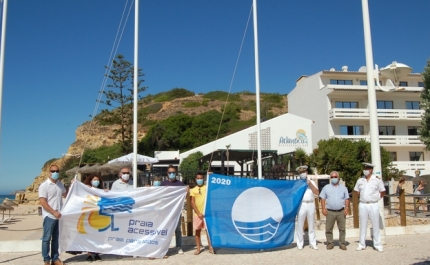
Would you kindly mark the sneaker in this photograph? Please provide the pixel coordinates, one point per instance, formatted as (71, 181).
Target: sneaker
(380, 249)
(97, 258)
(314, 247)
(330, 246)
(343, 247)
(180, 252)
(89, 259)
(360, 247)
(299, 247)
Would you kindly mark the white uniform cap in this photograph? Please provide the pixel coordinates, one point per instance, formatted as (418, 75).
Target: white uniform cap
(368, 165)
(301, 168)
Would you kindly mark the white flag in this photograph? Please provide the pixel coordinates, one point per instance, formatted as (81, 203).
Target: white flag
(135, 222)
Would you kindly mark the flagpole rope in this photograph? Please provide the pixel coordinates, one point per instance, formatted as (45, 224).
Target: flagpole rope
(115, 46)
(231, 84)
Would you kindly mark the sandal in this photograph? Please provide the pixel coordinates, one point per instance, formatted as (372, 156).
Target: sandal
(211, 250)
(197, 252)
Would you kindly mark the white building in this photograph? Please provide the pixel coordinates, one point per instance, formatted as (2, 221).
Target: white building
(284, 134)
(337, 102)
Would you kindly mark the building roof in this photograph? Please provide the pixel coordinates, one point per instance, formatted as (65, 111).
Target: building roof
(235, 155)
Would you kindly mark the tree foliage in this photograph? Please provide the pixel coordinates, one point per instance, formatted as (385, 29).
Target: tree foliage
(425, 105)
(120, 100)
(346, 157)
(190, 165)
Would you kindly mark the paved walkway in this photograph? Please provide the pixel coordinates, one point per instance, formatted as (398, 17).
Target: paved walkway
(405, 245)
(404, 249)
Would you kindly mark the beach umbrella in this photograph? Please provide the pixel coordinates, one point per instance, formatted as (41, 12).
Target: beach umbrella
(7, 207)
(91, 169)
(128, 160)
(9, 202)
(422, 177)
(83, 169)
(2, 208)
(72, 171)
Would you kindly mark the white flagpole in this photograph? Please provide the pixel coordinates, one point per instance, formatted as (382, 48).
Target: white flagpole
(136, 80)
(257, 90)
(2, 51)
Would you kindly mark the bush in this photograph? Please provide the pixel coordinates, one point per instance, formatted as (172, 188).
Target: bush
(221, 96)
(191, 104)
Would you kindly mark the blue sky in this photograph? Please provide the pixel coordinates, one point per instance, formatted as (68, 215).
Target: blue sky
(56, 52)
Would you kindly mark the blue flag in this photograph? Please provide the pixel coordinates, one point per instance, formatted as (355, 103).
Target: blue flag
(251, 213)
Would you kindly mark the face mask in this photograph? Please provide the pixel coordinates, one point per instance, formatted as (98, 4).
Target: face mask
(125, 176)
(334, 181)
(200, 182)
(95, 183)
(157, 183)
(55, 175)
(172, 175)
(366, 172)
(303, 175)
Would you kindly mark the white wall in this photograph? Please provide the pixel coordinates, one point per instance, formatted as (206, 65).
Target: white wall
(285, 133)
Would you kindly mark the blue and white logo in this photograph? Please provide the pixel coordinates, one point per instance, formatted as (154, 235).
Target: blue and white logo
(257, 226)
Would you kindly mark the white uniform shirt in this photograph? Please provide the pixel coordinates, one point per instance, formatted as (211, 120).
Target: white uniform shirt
(121, 185)
(53, 193)
(309, 195)
(369, 190)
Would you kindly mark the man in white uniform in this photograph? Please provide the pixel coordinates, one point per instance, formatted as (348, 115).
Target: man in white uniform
(307, 209)
(370, 189)
(124, 181)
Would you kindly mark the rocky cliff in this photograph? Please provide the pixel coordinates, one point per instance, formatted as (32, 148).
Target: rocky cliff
(93, 135)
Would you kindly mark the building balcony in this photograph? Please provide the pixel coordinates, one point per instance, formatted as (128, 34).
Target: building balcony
(411, 165)
(383, 114)
(387, 140)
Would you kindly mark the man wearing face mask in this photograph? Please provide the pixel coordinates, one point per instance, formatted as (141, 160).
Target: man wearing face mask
(172, 181)
(50, 196)
(124, 182)
(334, 204)
(370, 189)
(307, 209)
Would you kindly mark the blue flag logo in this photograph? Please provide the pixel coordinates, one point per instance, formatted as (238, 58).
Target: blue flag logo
(251, 213)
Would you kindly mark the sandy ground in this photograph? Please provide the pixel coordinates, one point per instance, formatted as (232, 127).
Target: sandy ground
(405, 249)
(400, 249)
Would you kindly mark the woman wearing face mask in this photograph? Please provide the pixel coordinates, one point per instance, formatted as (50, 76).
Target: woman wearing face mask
(95, 182)
(307, 210)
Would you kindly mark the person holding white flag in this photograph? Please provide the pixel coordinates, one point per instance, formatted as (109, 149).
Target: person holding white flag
(50, 196)
(124, 182)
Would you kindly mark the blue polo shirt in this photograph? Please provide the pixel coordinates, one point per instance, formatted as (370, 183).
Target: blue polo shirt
(335, 196)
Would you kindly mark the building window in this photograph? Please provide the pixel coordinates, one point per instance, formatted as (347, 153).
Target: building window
(413, 130)
(420, 84)
(351, 130)
(416, 156)
(364, 83)
(387, 130)
(393, 156)
(412, 105)
(403, 83)
(346, 105)
(340, 82)
(382, 104)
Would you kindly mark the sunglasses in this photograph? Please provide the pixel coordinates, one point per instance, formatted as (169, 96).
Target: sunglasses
(169, 172)
(200, 191)
(54, 171)
(125, 172)
(333, 177)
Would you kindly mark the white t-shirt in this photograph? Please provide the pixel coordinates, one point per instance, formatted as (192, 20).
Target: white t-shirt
(121, 185)
(53, 193)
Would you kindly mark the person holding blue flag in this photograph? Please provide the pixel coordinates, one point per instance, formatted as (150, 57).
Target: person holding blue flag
(307, 210)
(198, 196)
